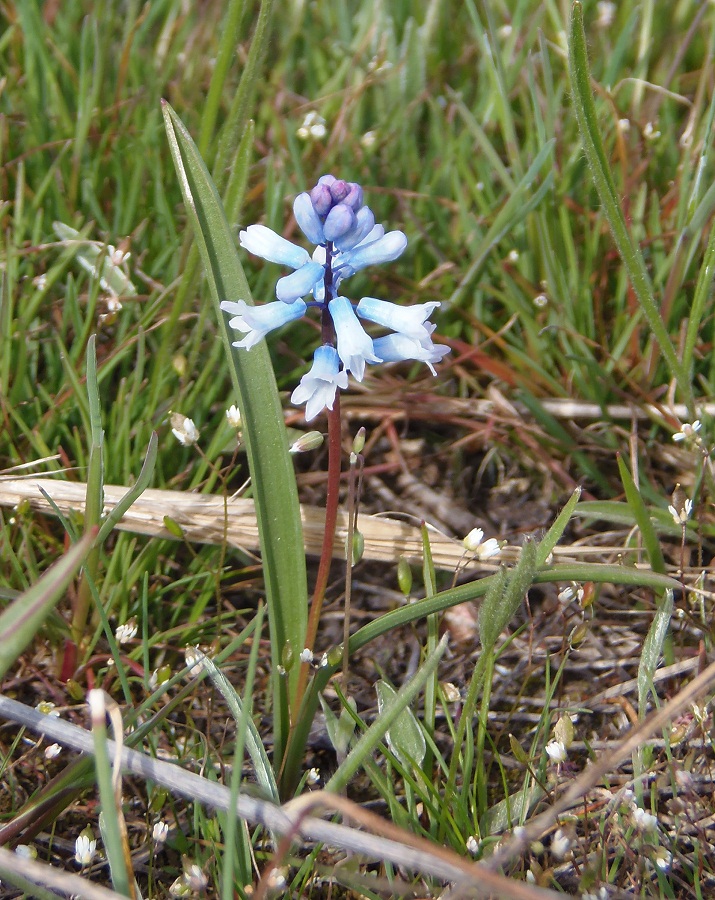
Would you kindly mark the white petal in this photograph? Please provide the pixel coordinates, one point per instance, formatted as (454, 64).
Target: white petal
(264, 242)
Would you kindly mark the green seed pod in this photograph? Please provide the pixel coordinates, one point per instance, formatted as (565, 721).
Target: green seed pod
(287, 657)
(404, 576)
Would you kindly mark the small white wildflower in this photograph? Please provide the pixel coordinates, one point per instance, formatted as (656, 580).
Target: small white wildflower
(117, 256)
(623, 125)
(233, 416)
(183, 429)
(688, 431)
(47, 708)
(40, 281)
(52, 751)
(313, 127)
(473, 539)
(650, 133)
(681, 516)
(85, 849)
(556, 752)
(369, 139)
(505, 31)
(570, 592)
(193, 657)
(195, 878)
(663, 859)
(160, 832)
(488, 549)
(451, 692)
(472, 845)
(540, 301)
(560, 843)
(113, 305)
(180, 888)
(126, 632)
(306, 655)
(513, 256)
(26, 851)
(643, 821)
(606, 13)
(276, 880)
(311, 440)
(473, 543)
(313, 776)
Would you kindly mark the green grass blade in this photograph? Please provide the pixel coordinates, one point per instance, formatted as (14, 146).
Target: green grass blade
(20, 621)
(595, 153)
(273, 478)
(643, 520)
(376, 732)
(254, 744)
(142, 483)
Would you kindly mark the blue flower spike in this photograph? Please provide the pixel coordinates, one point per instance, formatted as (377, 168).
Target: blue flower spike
(333, 216)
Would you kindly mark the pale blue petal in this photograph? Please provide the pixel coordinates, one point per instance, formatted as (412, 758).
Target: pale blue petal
(317, 388)
(355, 347)
(364, 223)
(256, 321)
(308, 219)
(385, 249)
(397, 347)
(299, 283)
(407, 320)
(339, 221)
(264, 242)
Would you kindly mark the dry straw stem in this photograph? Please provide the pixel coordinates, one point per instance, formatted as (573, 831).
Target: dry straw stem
(205, 519)
(27, 874)
(389, 844)
(600, 767)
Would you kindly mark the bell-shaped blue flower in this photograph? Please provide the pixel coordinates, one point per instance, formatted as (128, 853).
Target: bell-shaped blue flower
(373, 252)
(308, 219)
(257, 321)
(407, 320)
(299, 283)
(317, 388)
(264, 242)
(398, 347)
(355, 347)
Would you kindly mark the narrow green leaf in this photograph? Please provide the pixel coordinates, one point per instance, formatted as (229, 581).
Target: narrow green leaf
(264, 436)
(21, 620)
(652, 649)
(376, 732)
(254, 744)
(643, 520)
(553, 535)
(404, 738)
(142, 483)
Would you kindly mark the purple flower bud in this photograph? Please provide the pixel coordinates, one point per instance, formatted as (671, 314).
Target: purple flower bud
(321, 199)
(327, 180)
(353, 198)
(339, 190)
(339, 220)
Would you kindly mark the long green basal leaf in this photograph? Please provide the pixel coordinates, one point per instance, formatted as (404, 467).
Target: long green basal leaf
(272, 474)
